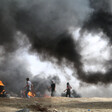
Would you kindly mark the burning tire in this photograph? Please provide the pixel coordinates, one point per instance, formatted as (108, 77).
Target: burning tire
(2, 90)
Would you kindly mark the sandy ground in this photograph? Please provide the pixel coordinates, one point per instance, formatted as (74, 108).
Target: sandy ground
(56, 104)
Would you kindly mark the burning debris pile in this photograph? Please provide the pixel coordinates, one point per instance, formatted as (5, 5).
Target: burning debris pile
(2, 90)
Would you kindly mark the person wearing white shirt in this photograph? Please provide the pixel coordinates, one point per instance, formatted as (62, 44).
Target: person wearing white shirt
(28, 87)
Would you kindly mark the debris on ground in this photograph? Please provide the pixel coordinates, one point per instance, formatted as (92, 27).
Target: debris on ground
(23, 110)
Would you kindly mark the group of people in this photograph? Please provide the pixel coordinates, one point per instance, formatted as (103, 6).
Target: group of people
(29, 87)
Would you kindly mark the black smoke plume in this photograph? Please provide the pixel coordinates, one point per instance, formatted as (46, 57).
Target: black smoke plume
(42, 85)
(99, 21)
(13, 73)
(45, 24)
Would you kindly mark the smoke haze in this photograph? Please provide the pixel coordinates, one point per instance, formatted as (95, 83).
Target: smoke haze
(45, 25)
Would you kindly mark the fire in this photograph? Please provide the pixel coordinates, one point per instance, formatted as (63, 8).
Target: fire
(2, 92)
(1, 84)
(31, 94)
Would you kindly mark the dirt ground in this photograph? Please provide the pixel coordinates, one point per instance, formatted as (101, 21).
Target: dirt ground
(56, 104)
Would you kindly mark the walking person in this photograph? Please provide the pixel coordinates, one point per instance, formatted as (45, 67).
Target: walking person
(53, 87)
(28, 87)
(68, 92)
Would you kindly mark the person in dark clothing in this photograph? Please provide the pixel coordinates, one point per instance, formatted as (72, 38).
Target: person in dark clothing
(68, 90)
(53, 86)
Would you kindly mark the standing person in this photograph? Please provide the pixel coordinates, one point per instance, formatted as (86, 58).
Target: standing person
(68, 90)
(53, 86)
(28, 87)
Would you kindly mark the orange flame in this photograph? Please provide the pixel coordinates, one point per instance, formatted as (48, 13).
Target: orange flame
(1, 84)
(2, 92)
(31, 94)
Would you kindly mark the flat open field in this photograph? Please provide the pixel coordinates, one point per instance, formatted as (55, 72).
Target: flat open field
(56, 104)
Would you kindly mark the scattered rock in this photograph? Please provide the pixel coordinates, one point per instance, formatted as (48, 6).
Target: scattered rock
(23, 110)
(55, 110)
(38, 108)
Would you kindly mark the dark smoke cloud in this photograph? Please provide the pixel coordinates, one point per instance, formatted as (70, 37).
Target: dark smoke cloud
(41, 20)
(46, 22)
(42, 85)
(101, 18)
(99, 21)
(13, 73)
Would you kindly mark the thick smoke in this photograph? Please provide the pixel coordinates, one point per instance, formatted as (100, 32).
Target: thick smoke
(13, 73)
(42, 21)
(42, 85)
(74, 94)
(45, 24)
(100, 19)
